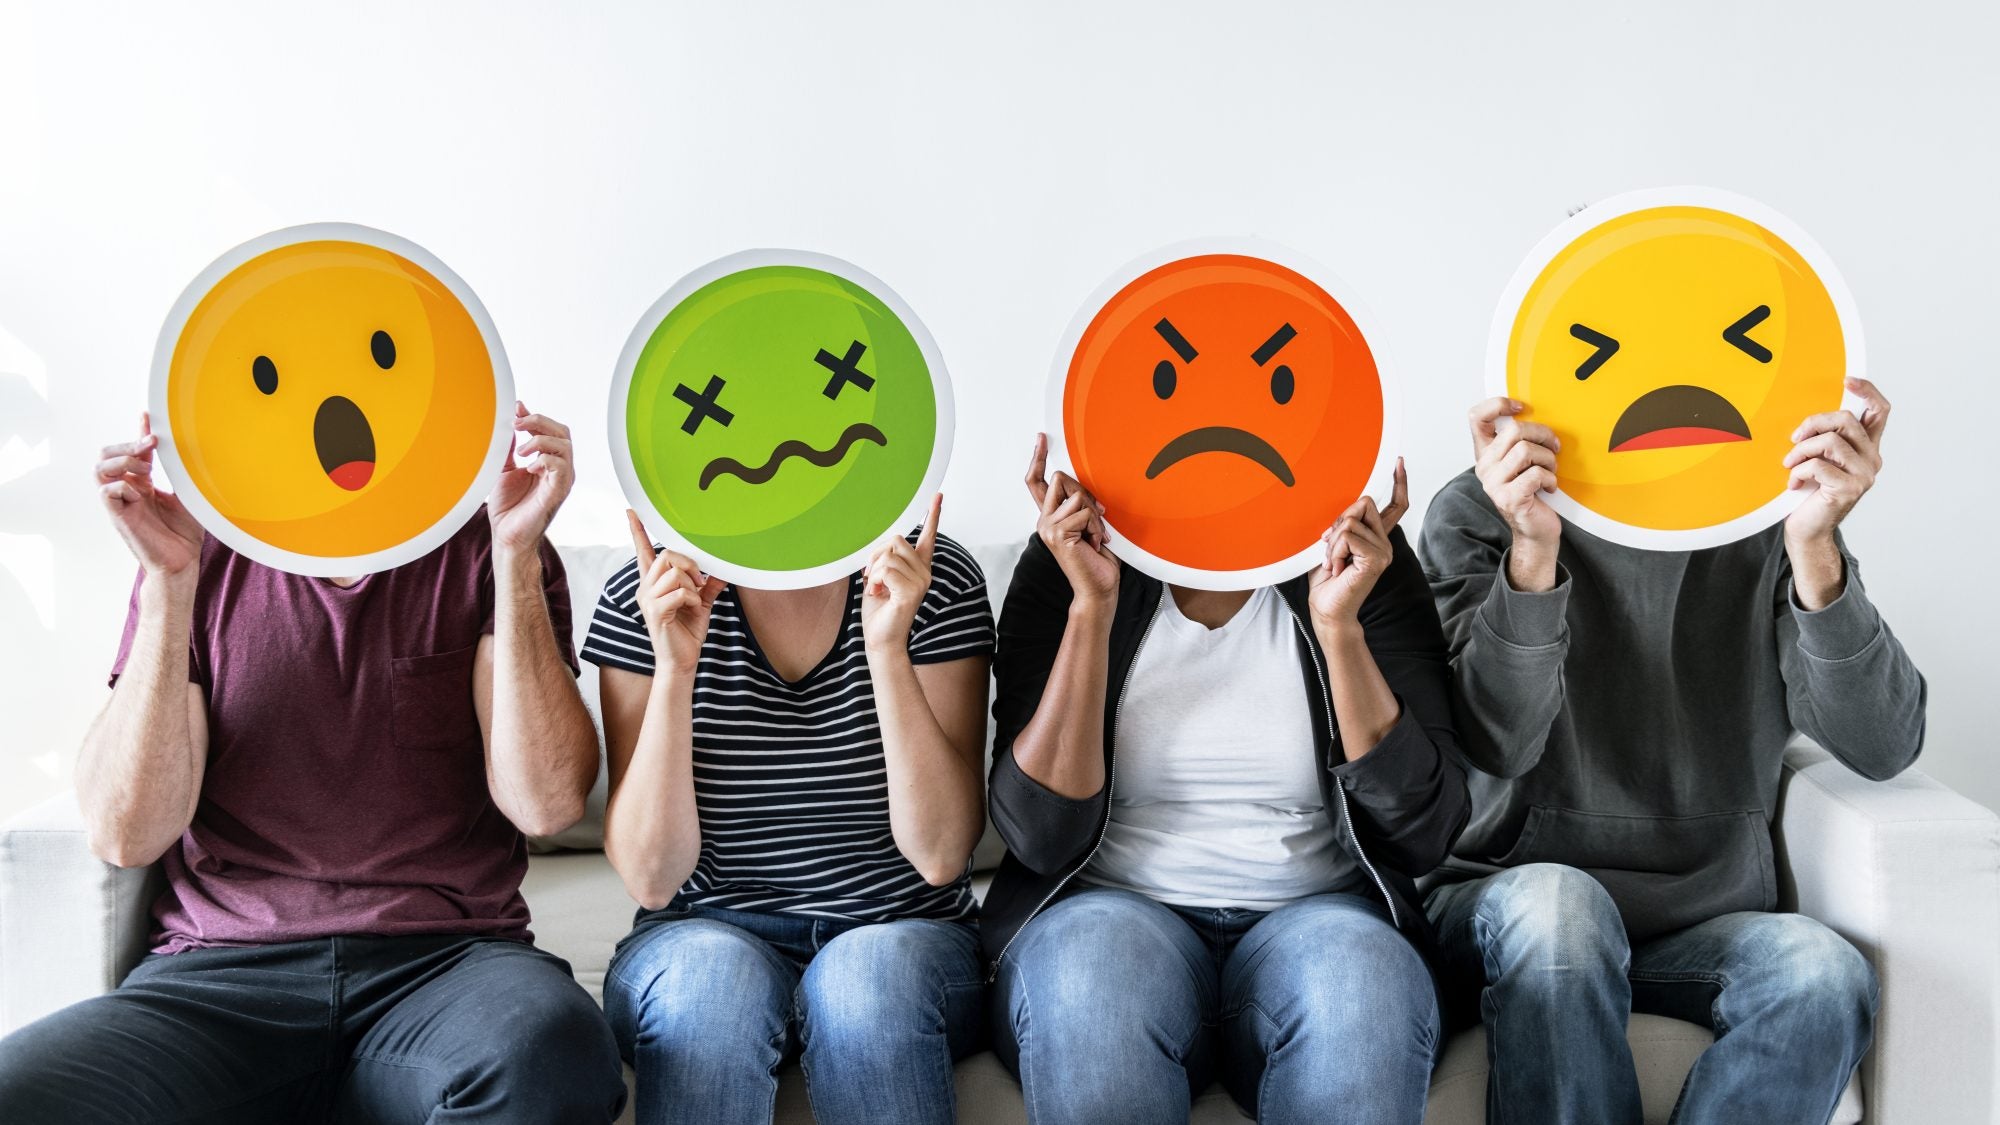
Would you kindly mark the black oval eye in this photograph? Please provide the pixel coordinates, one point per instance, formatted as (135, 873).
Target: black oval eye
(1163, 378)
(265, 373)
(1281, 384)
(384, 349)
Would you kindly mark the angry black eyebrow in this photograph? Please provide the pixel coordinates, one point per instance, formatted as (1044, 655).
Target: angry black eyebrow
(1270, 347)
(1175, 340)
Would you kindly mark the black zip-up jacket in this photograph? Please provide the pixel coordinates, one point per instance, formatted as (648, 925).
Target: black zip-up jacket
(1397, 810)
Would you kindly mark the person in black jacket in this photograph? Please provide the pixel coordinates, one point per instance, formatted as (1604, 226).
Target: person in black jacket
(1214, 806)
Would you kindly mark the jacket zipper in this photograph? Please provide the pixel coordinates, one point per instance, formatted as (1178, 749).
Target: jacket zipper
(1333, 732)
(1110, 780)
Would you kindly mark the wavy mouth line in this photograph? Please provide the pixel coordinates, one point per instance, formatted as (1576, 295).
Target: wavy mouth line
(1221, 439)
(787, 449)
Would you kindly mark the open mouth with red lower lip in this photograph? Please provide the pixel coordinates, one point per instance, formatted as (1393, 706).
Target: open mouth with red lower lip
(344, 442)
(1670, 417)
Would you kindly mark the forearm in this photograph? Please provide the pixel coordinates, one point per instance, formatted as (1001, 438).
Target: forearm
(1364, 707)
(139, 772)
(542, 755)
(652, 827)
(1507, 669)
(1062, 747)
(936, 807)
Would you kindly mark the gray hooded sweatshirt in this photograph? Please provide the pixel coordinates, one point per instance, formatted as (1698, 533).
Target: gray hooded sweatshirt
(1632, 721)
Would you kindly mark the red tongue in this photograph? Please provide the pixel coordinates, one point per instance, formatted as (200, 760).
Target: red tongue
(1674, 436)
(352, 475)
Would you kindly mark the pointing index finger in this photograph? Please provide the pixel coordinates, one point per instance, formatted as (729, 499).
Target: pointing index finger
(642, 543)
(1399, 498)
(927, 538)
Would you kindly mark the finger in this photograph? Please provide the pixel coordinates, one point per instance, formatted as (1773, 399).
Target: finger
(1535, 480)
(117, 494)
(140, 448)
(1075, 523)
(683, 562)
(544, 443)
(1067, 486)
(1523, 456)
(642, 543)
(1063, 511)
(1822, 473)
(1485, 414)
(1833, 421)
(711, 589)
(1827, 447)
(676, 601)
(927, 538)
(1036, 477)
(540, 424)
(112, 467)
(1875, 407)
(1399, 496)
(1371, 518)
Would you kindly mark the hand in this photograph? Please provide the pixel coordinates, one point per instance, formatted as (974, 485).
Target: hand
(1516, 464)
(1071, 526)
(1357, 553)
(894, 585)
(161, 532)
(529, 493)
(674, 599)
(1838, 456)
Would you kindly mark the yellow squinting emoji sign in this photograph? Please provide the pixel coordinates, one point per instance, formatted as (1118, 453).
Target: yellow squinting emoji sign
(332, 400)
(1674, 339)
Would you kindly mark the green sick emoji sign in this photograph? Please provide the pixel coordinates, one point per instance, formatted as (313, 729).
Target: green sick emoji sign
(776, 414)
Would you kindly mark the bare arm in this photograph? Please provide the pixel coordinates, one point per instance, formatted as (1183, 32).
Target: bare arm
(1062, 746)
(138, 776)
(652, 829)
(1358, 551)
(933, 720)
(541, 751)
(652, 825)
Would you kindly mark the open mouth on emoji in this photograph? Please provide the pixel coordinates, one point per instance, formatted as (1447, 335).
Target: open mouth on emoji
(1670, 417)
(344, 442)
(786, 450)
(1221, 439)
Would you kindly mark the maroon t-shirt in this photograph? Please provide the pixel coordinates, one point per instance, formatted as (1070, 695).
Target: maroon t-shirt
(345, 791)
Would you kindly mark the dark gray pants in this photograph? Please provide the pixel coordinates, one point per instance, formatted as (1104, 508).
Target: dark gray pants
(348, 1029)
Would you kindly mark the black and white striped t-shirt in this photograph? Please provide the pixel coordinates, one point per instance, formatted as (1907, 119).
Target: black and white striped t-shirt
(789, 778)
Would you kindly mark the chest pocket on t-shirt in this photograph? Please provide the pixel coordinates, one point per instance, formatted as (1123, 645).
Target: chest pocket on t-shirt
(433, 700)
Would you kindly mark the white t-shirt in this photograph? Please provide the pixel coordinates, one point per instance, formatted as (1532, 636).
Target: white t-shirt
(1217, 800)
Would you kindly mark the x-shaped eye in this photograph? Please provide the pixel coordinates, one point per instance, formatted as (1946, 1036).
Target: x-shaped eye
(1605, 345)
(703, 405)
(844, 369)
(1738, 334)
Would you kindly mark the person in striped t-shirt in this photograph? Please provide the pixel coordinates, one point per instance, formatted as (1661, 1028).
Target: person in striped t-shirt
(796, 789)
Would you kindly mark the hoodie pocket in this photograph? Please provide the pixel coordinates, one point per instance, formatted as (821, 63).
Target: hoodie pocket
(1664, 872)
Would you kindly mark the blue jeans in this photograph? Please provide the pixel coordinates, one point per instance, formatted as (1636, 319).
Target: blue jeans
(1792, 1005)
(707, 1004)
(1113, 1007)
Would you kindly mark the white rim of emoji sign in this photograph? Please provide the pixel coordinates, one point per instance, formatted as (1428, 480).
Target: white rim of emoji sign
(1499, 343)
(1380, 476)
(663, 529)
(330, 566)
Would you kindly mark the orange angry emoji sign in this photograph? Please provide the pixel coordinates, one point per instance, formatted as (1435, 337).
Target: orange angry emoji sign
(1224, 408)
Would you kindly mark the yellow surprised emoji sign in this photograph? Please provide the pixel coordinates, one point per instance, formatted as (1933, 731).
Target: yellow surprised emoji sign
(1674, 339)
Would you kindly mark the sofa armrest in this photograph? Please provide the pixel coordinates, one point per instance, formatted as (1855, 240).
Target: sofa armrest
(71, 925)
(1909, 871)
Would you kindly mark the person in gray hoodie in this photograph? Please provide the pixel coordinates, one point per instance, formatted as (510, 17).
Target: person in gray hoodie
(1626, 714)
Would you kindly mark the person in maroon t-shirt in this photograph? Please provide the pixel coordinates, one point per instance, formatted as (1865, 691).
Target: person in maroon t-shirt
(335, 776)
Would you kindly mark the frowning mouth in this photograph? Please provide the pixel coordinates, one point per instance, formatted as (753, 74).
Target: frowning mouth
(344, 442)
(824, 458)
(1670, 417)
(1221, 439)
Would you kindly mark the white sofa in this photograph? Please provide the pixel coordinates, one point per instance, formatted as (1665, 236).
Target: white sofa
(1907, 870)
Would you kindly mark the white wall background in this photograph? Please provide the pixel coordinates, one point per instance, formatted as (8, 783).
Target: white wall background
(993, 163)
